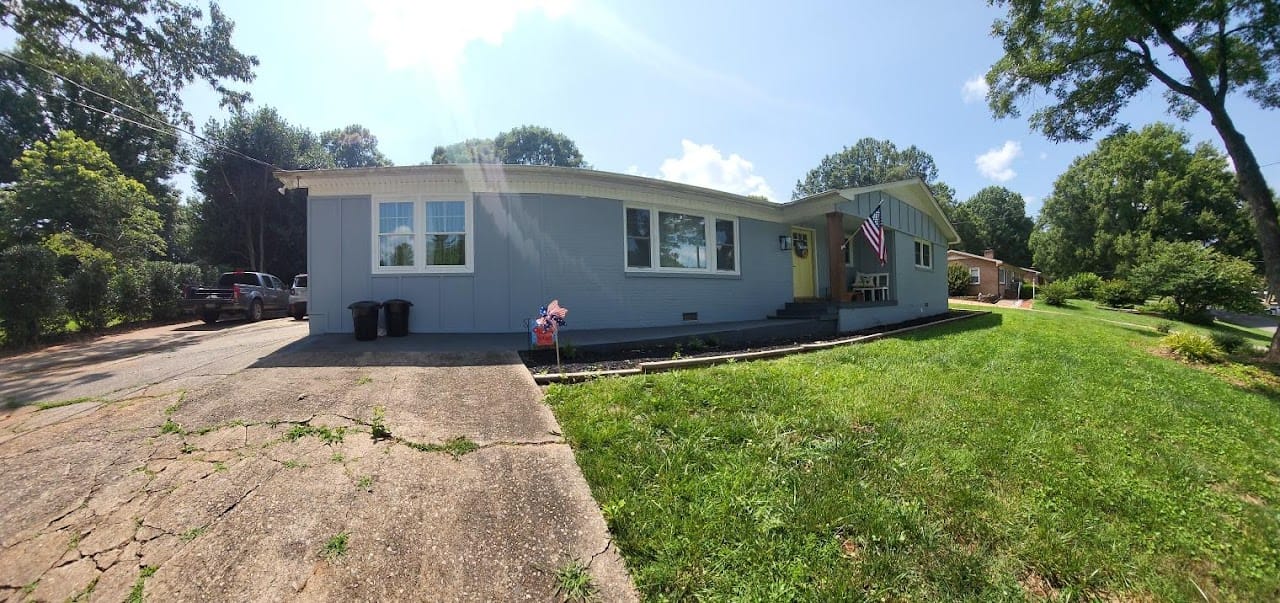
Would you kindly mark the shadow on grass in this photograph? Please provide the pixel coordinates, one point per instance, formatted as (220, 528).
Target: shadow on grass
(986, 321)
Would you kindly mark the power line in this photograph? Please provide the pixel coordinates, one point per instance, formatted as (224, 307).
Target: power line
(147, 114)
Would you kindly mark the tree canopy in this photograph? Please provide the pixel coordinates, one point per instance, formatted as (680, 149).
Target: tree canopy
(1136, 188)
(243, 220)
(1090, 59)
(165, 42)
(352, 147)
(869, 161)
(69, 185)
(995, 218)
(525, 145)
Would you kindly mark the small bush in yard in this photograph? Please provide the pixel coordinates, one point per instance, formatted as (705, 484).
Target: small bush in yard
(1084, 285)
(1055, 294)
(1118, 293)
(131, 293)
(1228, 342)
(1163, 306)
(89, 293)
(29, 292)
(957, 279)
(1164, 327)
(1192, 346)
(164, 287)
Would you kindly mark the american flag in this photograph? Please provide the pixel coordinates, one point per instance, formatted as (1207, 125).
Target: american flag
(873, 228)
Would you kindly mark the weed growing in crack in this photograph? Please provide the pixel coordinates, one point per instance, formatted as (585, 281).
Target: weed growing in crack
(217, 426)
(364, 380)
(378, 424)
(135, 595)
(335, 547)
(219, 466)
(294, 464)
(74, 544)
(61, 403)
(573, 582)
(85, 594)
(338, 458)
(456, 447)
(188, 448)
(327, 435)
(365, 483)
(192, 534)
(30, 587)
(170, 427)
(172, 408)
(145, 471)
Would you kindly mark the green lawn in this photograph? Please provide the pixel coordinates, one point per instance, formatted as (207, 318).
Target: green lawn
(1016, 455)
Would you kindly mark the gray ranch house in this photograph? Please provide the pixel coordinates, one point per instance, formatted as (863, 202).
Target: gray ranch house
(479, 248)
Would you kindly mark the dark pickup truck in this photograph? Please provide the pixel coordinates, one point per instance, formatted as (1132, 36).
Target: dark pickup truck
(249, 293)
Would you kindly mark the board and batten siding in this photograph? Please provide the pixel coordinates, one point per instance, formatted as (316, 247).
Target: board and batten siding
(917, 292)
(528, 250)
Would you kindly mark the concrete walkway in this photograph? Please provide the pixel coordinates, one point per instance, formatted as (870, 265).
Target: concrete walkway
(266, 484)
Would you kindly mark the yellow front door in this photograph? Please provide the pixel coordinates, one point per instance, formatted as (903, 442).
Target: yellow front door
(802, 274)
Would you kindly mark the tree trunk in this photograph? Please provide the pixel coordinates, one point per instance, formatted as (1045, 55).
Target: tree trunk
(1253, 188)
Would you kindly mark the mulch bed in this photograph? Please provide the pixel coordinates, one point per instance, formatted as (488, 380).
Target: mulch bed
(543, 361)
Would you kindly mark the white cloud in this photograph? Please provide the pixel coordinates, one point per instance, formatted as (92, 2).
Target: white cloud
(975, 89)
(996, 164)
(703, 165)
(436, 34)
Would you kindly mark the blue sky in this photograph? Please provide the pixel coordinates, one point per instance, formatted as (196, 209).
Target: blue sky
(736, 95)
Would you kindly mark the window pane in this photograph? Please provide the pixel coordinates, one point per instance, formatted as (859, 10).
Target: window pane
(395, 218)
(725, 245)
(446, 216)
(682, 240)
(637, 222)
(446, 250)
(638, 253)
(395, 250)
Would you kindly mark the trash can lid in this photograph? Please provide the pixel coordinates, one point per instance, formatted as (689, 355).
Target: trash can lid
(397, 302)
(363, 305)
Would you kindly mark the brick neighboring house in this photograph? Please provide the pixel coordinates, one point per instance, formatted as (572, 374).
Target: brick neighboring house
(989, 276)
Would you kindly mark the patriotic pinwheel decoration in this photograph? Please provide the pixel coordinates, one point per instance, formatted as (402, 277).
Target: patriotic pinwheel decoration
(546, 327)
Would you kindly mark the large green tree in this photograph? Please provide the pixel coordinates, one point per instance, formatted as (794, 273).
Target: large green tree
(1089, 59)
(869, 161)
(353, 147)
(536, 145)
(242, 219)
(169, 44)
(996, 218)
(471, 150)
(1134, 189)
(69, 185)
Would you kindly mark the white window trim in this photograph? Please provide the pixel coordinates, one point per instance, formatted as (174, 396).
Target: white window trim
(420, 235)
(923, 243)
(709, 227)
(975, 275)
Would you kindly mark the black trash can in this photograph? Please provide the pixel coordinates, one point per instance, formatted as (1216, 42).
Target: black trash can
(397, 317)
(364, 315)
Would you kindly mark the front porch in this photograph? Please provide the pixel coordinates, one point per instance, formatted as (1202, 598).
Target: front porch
(847, 272)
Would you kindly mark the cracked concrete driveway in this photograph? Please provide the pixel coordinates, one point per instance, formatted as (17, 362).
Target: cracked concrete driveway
(262, 480)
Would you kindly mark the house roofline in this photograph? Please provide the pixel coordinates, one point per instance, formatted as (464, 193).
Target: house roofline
(985, 258)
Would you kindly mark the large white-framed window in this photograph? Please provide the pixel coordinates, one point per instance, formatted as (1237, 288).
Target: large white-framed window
(975, 275)
(657, 239)
(924, 254)
(422, 235)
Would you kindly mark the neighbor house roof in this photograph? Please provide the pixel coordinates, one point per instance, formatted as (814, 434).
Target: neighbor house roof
(538, 179)
(987, 259)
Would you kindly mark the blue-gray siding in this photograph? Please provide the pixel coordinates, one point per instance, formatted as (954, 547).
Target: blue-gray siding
(530, 249)
(919, 292)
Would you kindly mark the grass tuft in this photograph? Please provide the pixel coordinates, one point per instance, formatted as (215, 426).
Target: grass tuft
(573, 582)
(61, 403)
(135, 595)
(193, 533)
(335, 547)
(456, 446)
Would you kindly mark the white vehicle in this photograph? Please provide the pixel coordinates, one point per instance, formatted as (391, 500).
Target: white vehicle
(298, 297)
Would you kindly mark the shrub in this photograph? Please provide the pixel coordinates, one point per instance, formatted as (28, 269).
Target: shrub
(1164, 327)
(1118, 293)
(1228, 342)
(1055, 294)
(132, 295)
(1026, 291)
(89, 293)
(1163, 306)
(1192, 346)
(1084, 285)
(957, 279)
(164, 286)
(1196, 278)
(29, 292)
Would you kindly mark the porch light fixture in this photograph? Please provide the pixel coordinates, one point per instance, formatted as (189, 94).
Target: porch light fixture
(784, 242)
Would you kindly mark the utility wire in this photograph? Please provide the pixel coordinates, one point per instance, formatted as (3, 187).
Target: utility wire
(147, 114)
